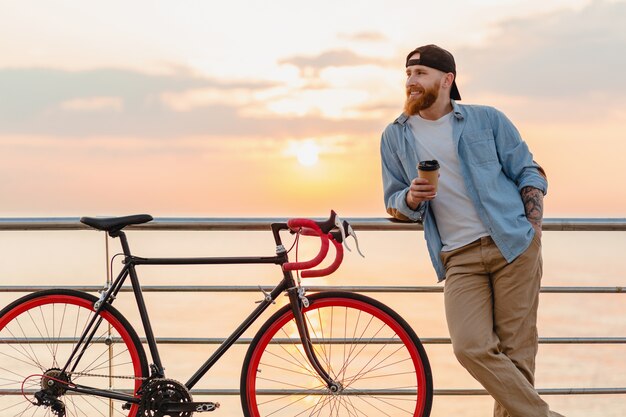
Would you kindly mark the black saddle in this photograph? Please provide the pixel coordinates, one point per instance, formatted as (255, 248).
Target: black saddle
(115, 224)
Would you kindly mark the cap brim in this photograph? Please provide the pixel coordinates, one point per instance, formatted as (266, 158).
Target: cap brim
(454, 92)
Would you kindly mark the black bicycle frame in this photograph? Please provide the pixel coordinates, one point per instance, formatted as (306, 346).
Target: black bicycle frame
(130, 262)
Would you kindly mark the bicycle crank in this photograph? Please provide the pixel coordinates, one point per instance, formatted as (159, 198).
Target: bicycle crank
(167, 397)
(200, 407)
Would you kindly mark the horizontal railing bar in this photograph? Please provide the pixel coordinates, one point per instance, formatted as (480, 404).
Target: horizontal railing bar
(541, 391)
(399, 392)
(198, 341)
(313, 288)
(337, 341)
(262, 224)
(463, 392)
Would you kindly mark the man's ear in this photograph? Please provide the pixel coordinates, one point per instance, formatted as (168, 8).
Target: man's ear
(447, 80)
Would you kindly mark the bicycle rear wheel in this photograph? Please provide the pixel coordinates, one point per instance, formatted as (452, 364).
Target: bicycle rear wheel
(364, 345)
(38, 332)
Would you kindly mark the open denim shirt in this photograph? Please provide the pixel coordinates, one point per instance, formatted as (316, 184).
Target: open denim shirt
(496, 164)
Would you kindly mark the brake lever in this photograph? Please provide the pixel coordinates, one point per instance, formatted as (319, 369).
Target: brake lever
(339, 226)
(346, 227)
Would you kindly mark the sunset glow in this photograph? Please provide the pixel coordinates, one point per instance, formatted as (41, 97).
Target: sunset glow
(198, 103)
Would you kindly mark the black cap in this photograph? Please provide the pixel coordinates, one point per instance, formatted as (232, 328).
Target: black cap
(438, 58)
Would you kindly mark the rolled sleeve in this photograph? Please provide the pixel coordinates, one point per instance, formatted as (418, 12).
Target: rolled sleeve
(396, 184)
(534, 178)
(401, 210)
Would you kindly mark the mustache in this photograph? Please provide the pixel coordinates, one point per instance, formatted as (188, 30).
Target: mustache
(414, 89)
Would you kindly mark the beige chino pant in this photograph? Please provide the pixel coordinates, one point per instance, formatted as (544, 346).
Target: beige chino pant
(491, 310)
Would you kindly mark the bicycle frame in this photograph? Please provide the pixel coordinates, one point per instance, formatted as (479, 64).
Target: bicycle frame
(129, 270)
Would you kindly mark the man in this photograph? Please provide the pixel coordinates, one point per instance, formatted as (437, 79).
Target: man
(482, 225)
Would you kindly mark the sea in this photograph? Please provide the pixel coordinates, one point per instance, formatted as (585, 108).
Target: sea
(398, 258)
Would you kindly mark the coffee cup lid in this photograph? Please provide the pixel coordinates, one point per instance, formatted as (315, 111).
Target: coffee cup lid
(432, 165)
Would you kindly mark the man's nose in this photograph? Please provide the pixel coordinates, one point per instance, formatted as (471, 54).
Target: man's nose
(411, 82)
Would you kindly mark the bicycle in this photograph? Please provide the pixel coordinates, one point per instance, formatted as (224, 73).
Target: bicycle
(70, 353)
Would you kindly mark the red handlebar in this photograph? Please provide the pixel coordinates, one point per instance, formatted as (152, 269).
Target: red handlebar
(331, 268)
(309, 227)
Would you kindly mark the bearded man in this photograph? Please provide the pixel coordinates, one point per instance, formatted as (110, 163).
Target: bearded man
(482, 225)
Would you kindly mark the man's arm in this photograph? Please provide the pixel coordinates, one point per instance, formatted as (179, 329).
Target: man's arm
(533, 206)
(515, 157)
(396, 186)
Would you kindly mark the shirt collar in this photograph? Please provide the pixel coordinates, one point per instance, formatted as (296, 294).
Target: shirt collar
(456, 109)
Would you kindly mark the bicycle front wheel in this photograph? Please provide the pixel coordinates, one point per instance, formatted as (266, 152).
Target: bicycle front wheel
(374, 355)
(38, 332)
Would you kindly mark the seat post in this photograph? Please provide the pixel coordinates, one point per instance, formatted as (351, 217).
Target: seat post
(123, 241)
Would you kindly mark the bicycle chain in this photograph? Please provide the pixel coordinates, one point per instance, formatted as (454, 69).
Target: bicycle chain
(140, 378)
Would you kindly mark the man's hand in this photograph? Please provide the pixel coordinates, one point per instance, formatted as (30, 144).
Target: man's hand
(533, 205)
(420, 190)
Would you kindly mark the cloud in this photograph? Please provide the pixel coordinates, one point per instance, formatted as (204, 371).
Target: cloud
(192, 99)
(565, 54)
(28, 92)
(94, 104)
(333, 58)
(218, 121)
(120, 103)
(364, 36)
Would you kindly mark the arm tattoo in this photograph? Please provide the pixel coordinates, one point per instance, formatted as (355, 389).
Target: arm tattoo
(533, 204)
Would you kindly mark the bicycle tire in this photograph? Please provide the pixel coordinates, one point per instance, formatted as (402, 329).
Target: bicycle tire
(378, 359)
(37, 334)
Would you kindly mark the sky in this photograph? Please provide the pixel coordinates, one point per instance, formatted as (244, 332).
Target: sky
(251, 108)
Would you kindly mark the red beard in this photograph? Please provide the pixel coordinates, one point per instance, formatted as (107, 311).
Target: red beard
(424, 101)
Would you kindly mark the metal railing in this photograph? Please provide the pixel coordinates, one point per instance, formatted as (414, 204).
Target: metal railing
(262, 224)
(365, 224)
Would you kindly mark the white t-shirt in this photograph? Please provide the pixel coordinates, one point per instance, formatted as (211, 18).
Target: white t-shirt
(455, 214)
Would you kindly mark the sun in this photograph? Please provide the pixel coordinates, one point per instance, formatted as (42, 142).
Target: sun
(306, 152)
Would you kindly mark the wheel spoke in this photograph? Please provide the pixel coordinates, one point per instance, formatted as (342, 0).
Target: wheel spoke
(384, 400)
(45, 325)
(41, 331)
(33, 358)
(359, 375)
(304, 363)
(371, 339)
(282, 397)
(323, 344)
(287, 406)
(378, 356)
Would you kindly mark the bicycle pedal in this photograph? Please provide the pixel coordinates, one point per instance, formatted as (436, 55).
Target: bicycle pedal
(206, 407)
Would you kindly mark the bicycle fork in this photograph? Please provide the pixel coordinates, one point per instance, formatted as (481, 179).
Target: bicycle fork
(297, 305)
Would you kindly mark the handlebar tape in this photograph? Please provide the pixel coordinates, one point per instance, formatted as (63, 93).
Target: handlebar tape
(296, 224)
(331, 268)
(308, 228)
(324, 226)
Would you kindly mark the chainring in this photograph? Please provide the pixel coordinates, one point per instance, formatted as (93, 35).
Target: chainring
(156, 392)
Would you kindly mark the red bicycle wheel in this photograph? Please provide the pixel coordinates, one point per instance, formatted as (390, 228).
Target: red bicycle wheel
(365, 346)
(38, 332)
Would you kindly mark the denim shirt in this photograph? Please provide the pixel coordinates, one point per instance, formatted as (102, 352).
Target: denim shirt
(495, 163)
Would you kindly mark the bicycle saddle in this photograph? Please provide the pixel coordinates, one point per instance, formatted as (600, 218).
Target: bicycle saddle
(115, 224)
